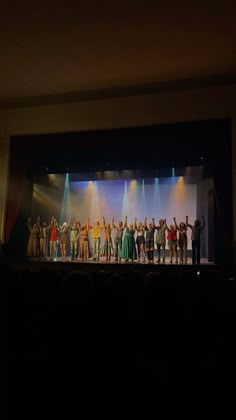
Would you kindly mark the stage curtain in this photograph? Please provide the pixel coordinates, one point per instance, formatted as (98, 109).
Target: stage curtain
(19, 201)
(4, 159)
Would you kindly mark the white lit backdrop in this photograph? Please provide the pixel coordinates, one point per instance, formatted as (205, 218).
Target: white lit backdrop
(159, 198)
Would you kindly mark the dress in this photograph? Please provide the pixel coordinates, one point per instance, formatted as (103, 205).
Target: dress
(128, 250)
(107, 250)
(33, 242)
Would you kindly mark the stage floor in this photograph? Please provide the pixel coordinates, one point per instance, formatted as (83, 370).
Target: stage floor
(204, 261)
(36, 265)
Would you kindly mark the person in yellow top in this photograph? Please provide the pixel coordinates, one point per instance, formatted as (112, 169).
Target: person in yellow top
(96, 231)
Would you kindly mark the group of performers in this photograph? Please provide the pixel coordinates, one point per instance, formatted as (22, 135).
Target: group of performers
(44, 240)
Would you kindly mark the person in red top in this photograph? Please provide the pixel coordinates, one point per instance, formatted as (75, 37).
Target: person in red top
(53, 238)
(172, 242)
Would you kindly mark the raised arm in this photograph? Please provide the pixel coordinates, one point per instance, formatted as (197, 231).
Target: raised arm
(125, 222)
(187, 223)
(135, 223)
(153, 223)
(113, 222)
(88, 224)
(176, 226)
(167, 227)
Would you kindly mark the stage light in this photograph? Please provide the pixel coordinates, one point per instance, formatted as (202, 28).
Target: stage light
(133, 183)
(188, 171)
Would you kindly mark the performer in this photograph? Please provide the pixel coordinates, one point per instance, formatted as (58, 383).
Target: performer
(96, 237)
(128, 251)
(84, 241)
(183, 241)
(74, 236)
(140, 239)
(38, 223)
(64, 239)
(118, 236)
(196, 238)
(53, 238)
(161, 240)
(43, 240)
(32, 248)
(149, 243)
(172, 242)
(107, 247)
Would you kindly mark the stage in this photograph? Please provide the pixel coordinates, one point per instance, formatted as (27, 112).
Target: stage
(169, 270)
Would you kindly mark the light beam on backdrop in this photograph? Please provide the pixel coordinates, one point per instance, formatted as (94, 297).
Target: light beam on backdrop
(143, 199)
(156, 207)
(125, 202)
(39, 197)
(95, 208)
(65, 213)
(132, 200)
(173, 175)
(44, 203)
(179, 191)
